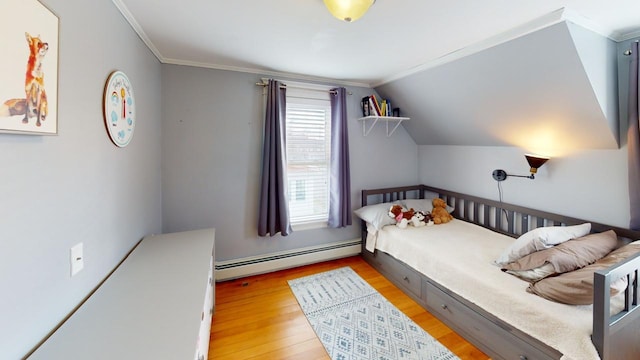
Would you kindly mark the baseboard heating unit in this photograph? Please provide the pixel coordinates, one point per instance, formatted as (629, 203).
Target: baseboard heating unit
(237, 268)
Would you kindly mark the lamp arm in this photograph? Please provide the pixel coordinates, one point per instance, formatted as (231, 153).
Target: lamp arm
(523, 176)
(501, 175)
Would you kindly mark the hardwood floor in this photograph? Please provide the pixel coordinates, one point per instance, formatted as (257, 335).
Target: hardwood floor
(259, 318)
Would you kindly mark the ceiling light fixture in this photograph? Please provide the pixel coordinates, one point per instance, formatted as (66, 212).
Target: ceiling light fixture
(534, 161)
(348, 10)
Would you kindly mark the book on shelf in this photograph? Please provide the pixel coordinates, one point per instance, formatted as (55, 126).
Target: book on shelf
(376, 105)
(371, 106)
(366, 109)
(374, 111)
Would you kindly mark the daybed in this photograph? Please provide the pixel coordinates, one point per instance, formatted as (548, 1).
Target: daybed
(449, 270)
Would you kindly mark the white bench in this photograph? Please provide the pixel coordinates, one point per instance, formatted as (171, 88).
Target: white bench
(156, 305)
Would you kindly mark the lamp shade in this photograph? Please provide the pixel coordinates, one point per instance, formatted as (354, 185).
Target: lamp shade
(348, 10)
(535, 161)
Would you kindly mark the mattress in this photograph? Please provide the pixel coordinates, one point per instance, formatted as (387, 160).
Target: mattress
(459, 255)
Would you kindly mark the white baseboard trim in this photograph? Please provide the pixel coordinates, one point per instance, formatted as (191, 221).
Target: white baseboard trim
(237, 268)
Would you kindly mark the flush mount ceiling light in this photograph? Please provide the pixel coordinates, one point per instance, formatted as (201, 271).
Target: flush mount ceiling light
(535, 161)
(348, 10)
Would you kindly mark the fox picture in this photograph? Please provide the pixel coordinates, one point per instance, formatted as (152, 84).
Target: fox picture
(34, 103)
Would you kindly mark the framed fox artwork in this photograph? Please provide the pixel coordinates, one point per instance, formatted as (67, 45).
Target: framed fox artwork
(28, 68)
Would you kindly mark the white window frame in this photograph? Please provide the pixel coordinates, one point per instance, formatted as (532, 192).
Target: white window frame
(312, 97)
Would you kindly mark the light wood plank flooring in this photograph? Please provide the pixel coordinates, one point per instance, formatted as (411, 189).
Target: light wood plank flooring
(259, 318)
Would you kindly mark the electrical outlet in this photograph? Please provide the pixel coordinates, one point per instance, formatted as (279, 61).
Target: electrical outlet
(77, 259)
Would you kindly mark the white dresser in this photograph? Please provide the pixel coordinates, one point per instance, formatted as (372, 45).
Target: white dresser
(156, 305)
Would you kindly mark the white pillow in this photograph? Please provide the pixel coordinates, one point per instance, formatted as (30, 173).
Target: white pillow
(376, 215)
(540, 239)
(425, 205)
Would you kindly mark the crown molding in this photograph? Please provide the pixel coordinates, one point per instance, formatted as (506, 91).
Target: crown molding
(137, 28)
(257, 71)
(631, 35)
(143, 36)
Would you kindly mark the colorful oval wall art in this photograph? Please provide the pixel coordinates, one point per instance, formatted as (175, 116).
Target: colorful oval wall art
(119, 108)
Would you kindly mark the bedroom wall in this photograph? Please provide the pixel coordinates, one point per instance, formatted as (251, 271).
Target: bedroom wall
(77, 186)
(583, 183)
(588, 184)
(212, 143)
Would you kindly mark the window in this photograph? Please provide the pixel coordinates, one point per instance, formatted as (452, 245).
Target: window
(308, 154)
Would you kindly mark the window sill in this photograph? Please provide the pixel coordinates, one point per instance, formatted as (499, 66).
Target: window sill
(309, 226)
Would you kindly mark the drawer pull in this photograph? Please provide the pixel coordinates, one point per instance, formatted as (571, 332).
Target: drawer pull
(406, 279)
(445, 307)
(523, 357)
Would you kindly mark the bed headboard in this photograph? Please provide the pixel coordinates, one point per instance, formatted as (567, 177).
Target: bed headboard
(512, 220)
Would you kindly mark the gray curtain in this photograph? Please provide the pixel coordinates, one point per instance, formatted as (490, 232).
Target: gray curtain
(340, 179)
(273, 216)
(633, 141)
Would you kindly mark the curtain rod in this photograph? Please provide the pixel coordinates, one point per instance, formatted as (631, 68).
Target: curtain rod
(284, 86)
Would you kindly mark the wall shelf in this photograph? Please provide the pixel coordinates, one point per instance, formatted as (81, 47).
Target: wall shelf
(375, 119)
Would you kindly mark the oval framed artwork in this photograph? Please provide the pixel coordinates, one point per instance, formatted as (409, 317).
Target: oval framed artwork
(119, 109)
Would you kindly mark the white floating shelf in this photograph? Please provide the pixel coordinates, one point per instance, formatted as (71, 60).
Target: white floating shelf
(387, 119)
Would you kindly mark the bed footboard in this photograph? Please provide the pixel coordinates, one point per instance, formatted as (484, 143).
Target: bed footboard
(616, 337)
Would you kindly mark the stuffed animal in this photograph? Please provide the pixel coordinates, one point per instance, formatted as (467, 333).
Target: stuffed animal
(422, 218)
(418, 219)
(401, 215)
(439, 212)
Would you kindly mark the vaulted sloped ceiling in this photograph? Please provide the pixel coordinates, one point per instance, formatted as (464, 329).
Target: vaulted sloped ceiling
(550, 91)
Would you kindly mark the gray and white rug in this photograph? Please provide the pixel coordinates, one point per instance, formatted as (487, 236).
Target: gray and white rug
(353, 321)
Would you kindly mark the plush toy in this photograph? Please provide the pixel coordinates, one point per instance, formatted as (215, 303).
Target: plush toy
(439, 213)
(401, 215)
(418, 219)
(422, 218)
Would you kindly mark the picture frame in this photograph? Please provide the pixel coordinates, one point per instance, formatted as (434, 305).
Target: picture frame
(29, 68)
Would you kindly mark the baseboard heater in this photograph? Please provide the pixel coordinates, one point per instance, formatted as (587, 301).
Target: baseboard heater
(237, 268)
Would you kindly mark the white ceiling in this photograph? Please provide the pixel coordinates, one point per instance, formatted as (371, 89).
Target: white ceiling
(396, 37)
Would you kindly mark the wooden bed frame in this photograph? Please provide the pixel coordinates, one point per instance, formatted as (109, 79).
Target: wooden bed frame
(614, 337)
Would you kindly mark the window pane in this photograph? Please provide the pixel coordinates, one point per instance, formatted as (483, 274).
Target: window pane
(308, 144)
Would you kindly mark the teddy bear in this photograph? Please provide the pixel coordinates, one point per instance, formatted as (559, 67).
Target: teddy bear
(402, 216)
(439, 213)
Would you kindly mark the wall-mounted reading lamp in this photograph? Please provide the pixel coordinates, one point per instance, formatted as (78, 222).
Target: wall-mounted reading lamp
(534, 161)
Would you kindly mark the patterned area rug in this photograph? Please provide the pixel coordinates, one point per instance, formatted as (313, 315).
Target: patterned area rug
(354, 321)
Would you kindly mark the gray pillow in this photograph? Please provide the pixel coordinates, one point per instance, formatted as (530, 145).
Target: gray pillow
(576, 287)
(569, 255)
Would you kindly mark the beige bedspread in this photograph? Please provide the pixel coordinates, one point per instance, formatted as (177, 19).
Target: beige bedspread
(459, 255)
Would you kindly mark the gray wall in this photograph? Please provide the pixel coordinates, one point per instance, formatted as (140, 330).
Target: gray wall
(212, 141)
(77, 186)
(589, 184)
(557, 84)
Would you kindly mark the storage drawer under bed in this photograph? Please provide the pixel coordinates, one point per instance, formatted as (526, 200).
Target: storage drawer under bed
(401, 274)
(493, 337)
